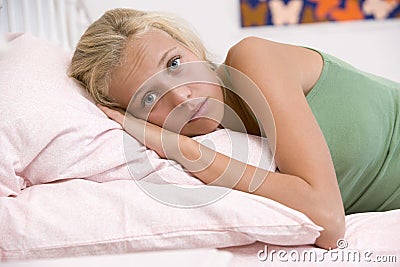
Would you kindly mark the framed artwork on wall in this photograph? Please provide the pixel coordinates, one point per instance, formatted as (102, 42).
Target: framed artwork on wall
(284, 12)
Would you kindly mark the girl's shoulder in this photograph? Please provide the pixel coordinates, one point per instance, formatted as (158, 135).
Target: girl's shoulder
(276, 61)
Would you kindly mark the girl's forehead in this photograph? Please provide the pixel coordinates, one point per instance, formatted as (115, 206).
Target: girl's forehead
(154, 38)
(147, 48)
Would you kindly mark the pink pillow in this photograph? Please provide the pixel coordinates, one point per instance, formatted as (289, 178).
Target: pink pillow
(49, 128)
(79, 217)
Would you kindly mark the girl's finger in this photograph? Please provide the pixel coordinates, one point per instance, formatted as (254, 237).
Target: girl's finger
(103, 108)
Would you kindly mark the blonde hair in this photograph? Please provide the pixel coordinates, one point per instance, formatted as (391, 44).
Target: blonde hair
(101, 47)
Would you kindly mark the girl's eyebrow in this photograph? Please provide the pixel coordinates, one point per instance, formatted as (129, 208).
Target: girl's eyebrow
(164, 57)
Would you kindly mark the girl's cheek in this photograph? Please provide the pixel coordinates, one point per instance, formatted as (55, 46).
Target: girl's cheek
(157, 116)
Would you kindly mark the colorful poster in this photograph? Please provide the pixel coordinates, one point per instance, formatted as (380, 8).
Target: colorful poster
(283, 12)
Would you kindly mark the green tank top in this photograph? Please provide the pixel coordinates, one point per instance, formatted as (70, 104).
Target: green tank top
(359, 115)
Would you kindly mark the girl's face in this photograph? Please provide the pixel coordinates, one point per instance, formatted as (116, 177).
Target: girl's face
(163, 82)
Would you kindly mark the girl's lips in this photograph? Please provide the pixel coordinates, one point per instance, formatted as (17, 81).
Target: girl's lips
(201, 109)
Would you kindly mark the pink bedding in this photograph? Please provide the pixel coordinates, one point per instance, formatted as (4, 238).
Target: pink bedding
(79, 217)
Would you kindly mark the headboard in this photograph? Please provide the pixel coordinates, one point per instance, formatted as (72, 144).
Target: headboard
(61, 21)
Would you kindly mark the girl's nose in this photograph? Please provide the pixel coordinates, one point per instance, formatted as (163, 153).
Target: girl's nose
(179, 95)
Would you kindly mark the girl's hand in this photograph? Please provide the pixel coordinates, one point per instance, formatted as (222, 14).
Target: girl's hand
(116, 114)
(165, 143)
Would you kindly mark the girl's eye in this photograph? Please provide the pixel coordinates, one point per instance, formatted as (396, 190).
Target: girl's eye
(149, 99)
(174, 63)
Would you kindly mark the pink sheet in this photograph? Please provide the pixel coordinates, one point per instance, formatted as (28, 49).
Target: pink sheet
(372, 239)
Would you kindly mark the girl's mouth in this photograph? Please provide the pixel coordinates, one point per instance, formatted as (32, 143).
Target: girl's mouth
(200, 110)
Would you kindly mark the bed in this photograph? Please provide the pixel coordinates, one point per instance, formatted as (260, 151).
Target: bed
(73, 184)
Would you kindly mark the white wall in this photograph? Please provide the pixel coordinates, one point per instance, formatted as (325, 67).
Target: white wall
(370, 45)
